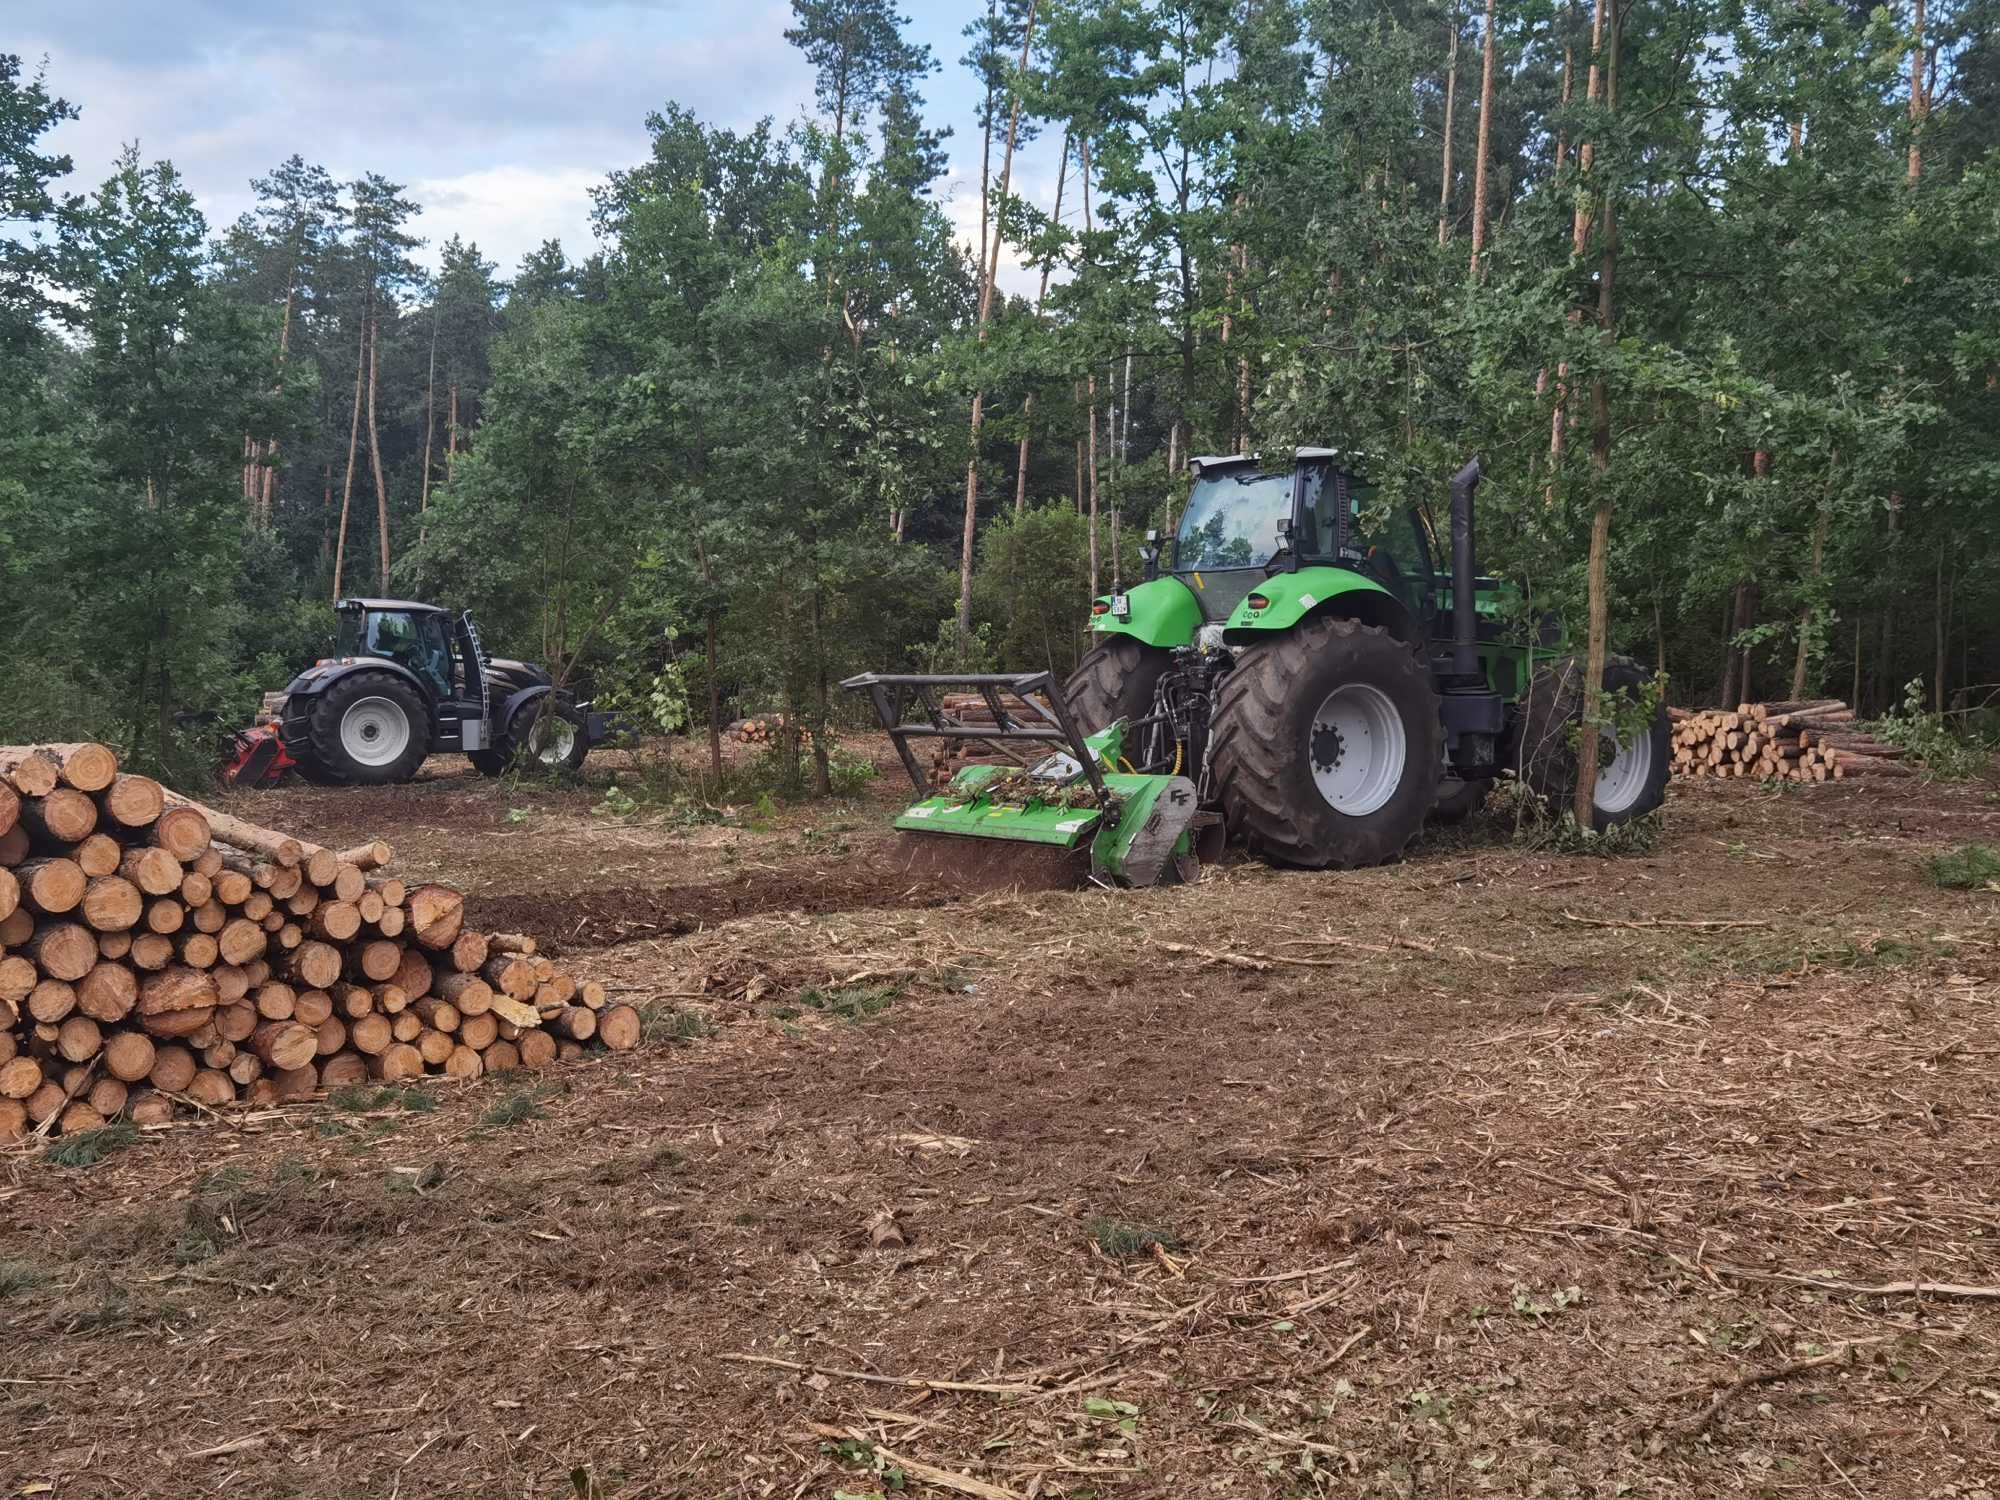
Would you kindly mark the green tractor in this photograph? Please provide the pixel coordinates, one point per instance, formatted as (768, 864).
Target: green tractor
(1282, 677)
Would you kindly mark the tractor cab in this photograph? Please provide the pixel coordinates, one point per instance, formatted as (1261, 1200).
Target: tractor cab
(416, 637)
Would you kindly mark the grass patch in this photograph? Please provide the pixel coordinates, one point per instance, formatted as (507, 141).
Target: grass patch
(222, 1180)
(1972, 868)
(660, 1022)
(365, 1098)
(623, 1169)
(518, 1107)
(1115, 1238)
(92, 1146)
(17, 1277)
(854, 1002)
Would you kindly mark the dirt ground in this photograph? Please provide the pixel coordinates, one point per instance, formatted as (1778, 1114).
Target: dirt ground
(1497, 1171)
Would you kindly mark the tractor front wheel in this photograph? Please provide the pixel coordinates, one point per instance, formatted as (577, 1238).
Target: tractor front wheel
(1632, 769)
(1115, 680)
(370, 729)
(1327, 746)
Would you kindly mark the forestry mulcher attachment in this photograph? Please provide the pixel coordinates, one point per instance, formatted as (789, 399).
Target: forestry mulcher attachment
(1287, 676)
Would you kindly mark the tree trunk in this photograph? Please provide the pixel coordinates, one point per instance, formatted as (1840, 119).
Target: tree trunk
(1887, 692)
(353, 450)
(375, 457)
(1919, 104)
(1600, 462)
(990, 272)
(1579, 238)
(1450, 103)
(1485, 144)
(1941, 599)
(430, 426)
(714, 687)
(1806, 615)
(1854, 692)
(1093, 487)
(451, 434)
(1041, 296)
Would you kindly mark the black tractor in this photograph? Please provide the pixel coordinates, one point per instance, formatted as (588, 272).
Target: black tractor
(407, 681)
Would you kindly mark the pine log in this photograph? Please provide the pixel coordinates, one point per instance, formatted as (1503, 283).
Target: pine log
(173, 1069)
(294, 1085)
(371, 906)
(65, 816)
(219, 1053)
(537, 1049)
(284, 1044)
(18, 978)
(197, 889)
(107, 1096)
(51, 1000)
(413, 975)
(13, 1121)
(592, 994)
(10, 807)
(210, 917)
(305, 902)
(406, 1027)
(274, 846)
(78, 1115)
(87, 766)
(233, 888)
(184, 833)
(165, 916)
(468, 952)
(439, 1015)
(236, 1020)
(13, 846)
(63, 950)
(472, 995)
(392, 891)
(316, 965)
(437, 913)
(392, 921)
(263, 1093)
(369, 856)
(378, 961)
(435, 1046)
(108, 992)
(501, 1057)
(112, 904)
(275, 1001)
(478, 1032)
(50, 886)
(312, 1007)
(342, 1069)
(145, 1107)
(255, 907)
(322, 866)
(98, 855)
(353, 1001)
(19, 1077)
(397, 1062)
(463, 1063)
(336, 921)
(197, 951)
(349, 884)
(577, 1022)
(209, 861)
(177, 989)
(516, 1012)
(232, 982)
(10, 894)
(131, 801)
(1869, 765)
(78, 1039)
(371, 1034)
(512, 976)
(619, 1028)
(240, 941)
(330, 1036)
(151, 951)
(391, 999)
(153, 871)
(31, 773)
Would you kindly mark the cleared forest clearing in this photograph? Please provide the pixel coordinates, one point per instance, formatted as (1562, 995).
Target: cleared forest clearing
(1495, 1171)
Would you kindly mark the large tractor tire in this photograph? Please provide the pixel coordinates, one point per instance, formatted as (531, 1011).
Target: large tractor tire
(1327, 746)
(1631, 777)
(550, 739)
(370, 729)
(1114, 681)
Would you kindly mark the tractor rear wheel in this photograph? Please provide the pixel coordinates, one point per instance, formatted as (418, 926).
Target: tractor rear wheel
(1632, 772)
(370, 729)
(1115, 680)
(1327, 746)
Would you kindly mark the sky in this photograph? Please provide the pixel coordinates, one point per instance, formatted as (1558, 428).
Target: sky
(498, 115)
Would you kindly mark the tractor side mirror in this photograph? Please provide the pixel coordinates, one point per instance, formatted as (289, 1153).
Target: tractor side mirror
(1149, 554)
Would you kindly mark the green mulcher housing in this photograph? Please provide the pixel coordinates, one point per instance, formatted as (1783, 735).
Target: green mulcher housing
(1312, 686)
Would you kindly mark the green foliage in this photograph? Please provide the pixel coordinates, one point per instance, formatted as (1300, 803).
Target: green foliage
(850, 1003)
(1930, 737)
(1975, 867)
(89, 1147)
(1124, 1240)
(17, 1277)
(517, 1108)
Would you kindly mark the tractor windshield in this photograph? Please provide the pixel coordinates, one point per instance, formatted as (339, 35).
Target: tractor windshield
(1232, 520)
(417, 641)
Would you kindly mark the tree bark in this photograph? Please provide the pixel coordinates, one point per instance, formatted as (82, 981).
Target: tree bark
(430, 425)
(1450, 103)
(714, 687)
(1919, 104)
(1806, 615)
(375, 455)
(990, 273)
(353, 449)
(1485, 144)
(1600, 462)
(1041, 296)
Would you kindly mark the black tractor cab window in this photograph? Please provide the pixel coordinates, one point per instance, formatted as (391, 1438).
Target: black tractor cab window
(412, 639)
(1398, 552)
(1234, 519)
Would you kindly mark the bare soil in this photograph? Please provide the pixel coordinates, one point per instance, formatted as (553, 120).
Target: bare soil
(1496, 1171)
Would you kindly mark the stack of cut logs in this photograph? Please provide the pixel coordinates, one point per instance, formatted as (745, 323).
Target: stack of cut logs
(766, 731)
(1810, 740)
(154, 953)
(973, 711)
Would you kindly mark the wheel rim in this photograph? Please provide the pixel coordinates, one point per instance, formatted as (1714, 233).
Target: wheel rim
(553, 740)
(1622, 782)
(1358, 748)
(374, 732)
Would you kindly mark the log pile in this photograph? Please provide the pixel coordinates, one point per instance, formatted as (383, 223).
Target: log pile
(766, 731)
(156, 953)
(1809, 740)
(972, 710)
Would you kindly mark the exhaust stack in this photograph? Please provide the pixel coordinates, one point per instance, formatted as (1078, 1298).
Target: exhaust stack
(1464, 570)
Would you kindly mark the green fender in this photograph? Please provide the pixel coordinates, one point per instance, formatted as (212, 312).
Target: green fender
(1160, 612)
(1290, 597)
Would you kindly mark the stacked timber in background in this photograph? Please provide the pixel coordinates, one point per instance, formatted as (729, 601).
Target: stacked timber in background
(973, 711)
(766, 731)
(155, 953)
(1808, 740)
